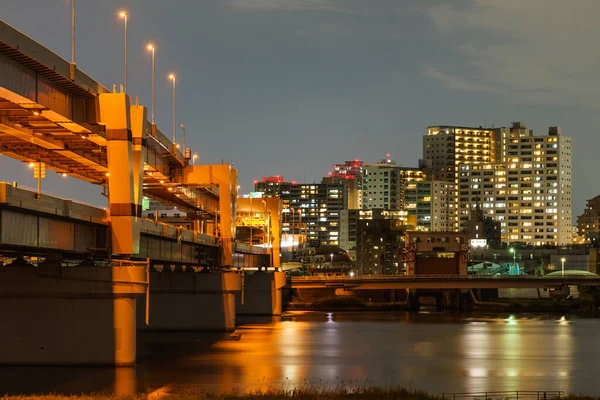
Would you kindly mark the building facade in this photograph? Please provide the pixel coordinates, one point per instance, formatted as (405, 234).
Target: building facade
(310, 210)
(382, 186)
(529, 194)
(430, 202)
(350, 174)
(588, 223)
(380, 242)
(348, 231)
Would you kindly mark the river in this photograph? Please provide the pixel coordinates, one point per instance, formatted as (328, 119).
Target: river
(436, 352)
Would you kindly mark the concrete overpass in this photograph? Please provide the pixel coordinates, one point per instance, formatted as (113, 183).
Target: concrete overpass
(54, 115)
(441, 282)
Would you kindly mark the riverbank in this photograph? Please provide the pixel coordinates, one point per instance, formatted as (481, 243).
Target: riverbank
(347, 303)
(307, 394)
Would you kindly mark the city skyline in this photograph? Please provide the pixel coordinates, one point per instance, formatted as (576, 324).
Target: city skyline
(283, 88)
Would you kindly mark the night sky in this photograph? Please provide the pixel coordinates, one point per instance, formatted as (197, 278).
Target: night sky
(290, 87)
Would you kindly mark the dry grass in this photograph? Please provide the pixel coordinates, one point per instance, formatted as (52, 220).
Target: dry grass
(270, 394)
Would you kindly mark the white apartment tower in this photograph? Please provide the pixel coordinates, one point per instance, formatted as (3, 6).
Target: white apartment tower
(529, 192)
(382, 186)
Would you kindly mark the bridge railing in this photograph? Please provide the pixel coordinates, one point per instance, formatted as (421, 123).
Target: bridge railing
(509, 395)
(447, 277)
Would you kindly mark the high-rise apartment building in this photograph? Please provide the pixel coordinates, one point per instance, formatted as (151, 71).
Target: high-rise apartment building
(308, 209)
(588, 223)
(350, 175)
(382, 186)
(348, 231)
(445, 147)
(269, 185)
(430, 202)
(529, 193)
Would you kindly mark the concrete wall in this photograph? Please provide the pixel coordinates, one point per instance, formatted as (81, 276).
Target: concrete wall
(185, 301)
(55, 331)
(68, 316)
(262, 294)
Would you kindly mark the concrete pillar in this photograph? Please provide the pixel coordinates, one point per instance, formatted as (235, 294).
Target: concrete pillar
(413, 301)
(181, 301)
(114, 113)
(69, 316)
(273, 205)
(262, 293)
(124, 314)
(225, 177)
(139, 129)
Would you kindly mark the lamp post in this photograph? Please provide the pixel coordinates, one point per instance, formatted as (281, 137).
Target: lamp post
(194, 159)
(562, 261)
(73, 32)
(183, 139)
(172, 78)
(514, 253)
(153, 50)
(331, 255)
(292, 229)
(124, 15)
(300, 227)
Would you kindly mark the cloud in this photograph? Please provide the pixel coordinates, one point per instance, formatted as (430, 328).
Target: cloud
(289, 5)
(535, 51)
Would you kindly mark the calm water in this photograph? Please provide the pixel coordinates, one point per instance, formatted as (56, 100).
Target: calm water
(430, 351)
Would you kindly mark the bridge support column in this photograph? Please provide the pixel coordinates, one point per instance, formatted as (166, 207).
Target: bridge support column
(262, 294)
(225, 177)
(139, 127)
(412, 301)
(69, 316)
(182, 301)
(115, 114)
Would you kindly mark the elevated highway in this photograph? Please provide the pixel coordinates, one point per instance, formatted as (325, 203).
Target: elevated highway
(52, 113)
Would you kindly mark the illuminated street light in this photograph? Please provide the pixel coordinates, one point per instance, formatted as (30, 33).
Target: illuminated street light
(124, 15)
(562, 261)
(172, 78)
(331, 258)
(151, 48)
(514, 253)
(194, 158)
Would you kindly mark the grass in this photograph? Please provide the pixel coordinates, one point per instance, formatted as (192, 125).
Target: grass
(301, 393)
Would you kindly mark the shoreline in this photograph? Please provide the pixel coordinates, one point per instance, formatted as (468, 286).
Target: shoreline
(310, 392)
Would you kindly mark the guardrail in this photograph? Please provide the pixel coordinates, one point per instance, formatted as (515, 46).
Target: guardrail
(508, 395)
(446, 277)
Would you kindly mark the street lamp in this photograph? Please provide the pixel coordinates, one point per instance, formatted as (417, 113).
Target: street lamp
(124, 15)
(514, 253)
(183, 138)
(73, 32)
(172, 78)
(152, 49)
(331, 258)
(194, 159)
(562, 261)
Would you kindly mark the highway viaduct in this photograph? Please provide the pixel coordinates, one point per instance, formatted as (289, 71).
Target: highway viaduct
(104, 274)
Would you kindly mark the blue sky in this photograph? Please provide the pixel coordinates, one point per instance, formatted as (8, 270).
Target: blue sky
(290, 87)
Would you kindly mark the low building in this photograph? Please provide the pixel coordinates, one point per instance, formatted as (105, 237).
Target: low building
(483, 231)
(380, 240)
(436, 253)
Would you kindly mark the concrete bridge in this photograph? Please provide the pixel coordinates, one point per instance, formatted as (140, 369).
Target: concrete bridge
(442, 282)
(144, 274)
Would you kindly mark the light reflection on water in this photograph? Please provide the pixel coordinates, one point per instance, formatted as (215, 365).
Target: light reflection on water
(434, 352)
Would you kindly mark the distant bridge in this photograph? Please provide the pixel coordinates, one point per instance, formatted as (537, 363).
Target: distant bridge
(441, 282)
